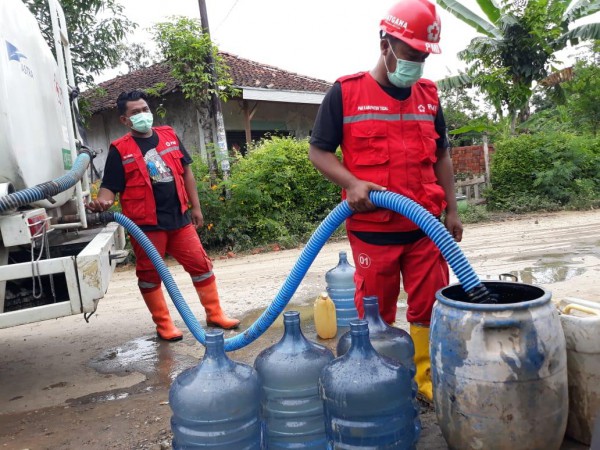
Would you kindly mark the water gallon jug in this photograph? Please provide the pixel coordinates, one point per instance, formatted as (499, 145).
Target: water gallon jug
(340, 287)
(387, 341)
(324, 314)
(367, 398)
(216, 404)
(581, 324)
(499, 371)
(291, 409)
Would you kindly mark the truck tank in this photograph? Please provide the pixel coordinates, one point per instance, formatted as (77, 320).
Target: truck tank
(34, 139)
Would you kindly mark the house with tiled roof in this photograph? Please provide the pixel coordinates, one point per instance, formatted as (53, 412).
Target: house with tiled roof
(270, 101)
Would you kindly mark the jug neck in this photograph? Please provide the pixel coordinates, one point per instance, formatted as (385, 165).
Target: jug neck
(343, 258)
(215, 349)
(292, 331)
(360, 344)
(372, 315)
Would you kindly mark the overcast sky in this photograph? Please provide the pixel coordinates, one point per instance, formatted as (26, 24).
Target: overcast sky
(318, 38)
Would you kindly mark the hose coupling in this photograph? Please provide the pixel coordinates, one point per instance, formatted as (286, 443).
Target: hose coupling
(100, 218)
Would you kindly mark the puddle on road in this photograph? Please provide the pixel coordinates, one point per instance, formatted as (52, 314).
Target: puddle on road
(553, 267)
(156, 359)
(547, 274)
(111, 397)
(162, 361)
(549, 270)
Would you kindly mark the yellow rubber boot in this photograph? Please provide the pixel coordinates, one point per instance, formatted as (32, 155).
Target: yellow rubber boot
(157, 305)
(420, 337)
(215, 317)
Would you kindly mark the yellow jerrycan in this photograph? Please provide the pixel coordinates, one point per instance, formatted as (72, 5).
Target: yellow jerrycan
(325, 321)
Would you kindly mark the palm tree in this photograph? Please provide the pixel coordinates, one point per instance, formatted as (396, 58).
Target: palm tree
(518, 45)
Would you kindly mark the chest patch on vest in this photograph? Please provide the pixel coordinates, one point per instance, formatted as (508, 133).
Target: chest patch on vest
(372, 108)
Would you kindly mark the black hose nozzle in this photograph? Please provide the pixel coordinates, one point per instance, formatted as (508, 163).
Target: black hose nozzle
(480, 294)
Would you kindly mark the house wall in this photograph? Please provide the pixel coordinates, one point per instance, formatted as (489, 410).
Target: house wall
(104, 127)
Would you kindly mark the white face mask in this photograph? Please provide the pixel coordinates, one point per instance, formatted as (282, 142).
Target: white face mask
(406, 74)
(142, 122)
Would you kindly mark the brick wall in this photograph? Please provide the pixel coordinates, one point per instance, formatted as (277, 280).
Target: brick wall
(469, 160)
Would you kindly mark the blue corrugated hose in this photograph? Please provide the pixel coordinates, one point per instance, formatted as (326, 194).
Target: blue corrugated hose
(48, 189)
(398, 203)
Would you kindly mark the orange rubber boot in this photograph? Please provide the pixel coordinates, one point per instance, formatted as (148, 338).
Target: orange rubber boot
(155, 301)
(215, 317)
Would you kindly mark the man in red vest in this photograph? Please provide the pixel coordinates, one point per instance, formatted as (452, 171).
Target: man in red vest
(390, 127)
(149, 168)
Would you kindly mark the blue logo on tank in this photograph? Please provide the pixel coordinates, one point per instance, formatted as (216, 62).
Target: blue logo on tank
(13, 53)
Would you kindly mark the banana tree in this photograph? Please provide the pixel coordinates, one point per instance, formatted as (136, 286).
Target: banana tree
(517, 47)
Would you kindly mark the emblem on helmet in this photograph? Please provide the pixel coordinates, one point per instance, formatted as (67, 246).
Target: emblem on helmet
(433, 32)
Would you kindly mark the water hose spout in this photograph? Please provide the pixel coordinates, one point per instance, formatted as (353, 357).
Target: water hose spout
(480, 294)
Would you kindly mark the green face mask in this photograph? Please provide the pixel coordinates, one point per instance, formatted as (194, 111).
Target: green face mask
(142, 122)
(406, 74)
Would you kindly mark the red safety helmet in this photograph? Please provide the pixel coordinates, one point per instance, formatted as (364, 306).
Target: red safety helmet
(415, 22)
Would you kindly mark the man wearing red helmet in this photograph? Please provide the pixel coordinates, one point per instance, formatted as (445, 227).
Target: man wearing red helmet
(391, 129)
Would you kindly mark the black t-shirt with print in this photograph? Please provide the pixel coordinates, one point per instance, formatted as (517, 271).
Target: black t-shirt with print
(168, 207)
(327, 135)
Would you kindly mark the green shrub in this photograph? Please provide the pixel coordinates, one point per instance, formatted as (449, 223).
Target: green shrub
(545, 171)
(276, 195)
(470, 213)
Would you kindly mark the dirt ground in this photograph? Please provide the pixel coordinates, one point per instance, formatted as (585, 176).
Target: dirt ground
(65, 384)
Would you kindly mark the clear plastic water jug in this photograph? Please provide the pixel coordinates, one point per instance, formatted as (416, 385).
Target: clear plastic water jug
(387, 340)
(340, 287)
(367, 398)
(291, 409)
(216, 404)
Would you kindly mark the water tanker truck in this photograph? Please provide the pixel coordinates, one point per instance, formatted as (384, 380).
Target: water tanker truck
(52, 264)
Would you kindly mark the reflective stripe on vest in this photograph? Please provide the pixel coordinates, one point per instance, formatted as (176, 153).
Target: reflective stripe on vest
(389, 117)
(168, 150)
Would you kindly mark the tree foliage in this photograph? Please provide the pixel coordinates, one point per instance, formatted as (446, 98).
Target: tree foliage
(517, 46)
(96, 29)
(579, 111)
(186, 48)
(460, 111)
(136, 56)
(584, 97)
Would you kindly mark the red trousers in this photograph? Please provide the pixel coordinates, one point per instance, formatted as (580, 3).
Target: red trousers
(182, 244)
(380, 268)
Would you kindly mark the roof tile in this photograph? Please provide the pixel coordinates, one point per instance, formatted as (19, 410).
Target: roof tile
(244, 72)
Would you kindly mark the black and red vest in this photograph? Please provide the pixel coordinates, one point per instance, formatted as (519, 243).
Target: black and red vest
(392, 143)
(137, 199)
